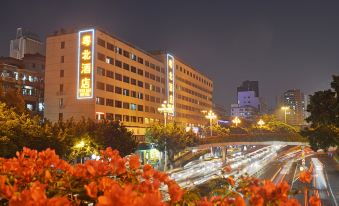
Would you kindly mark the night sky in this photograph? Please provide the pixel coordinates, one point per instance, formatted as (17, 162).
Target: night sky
(283, 45)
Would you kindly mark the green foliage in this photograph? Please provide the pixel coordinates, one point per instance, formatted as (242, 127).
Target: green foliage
(173, 136)
(272, 124)
(324, 117)
(18, 130)
(12, 98)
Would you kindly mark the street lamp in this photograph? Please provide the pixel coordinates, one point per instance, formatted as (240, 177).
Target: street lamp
(165, 109)
(285, 111)
(261, 123)
(236, 121)
(80, 145)
(210, 115)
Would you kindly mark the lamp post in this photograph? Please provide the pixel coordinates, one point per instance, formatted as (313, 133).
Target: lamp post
(210, 115)
(165, 109)
(80, 145)
(285, 111)
(261, 123)
(236, 121)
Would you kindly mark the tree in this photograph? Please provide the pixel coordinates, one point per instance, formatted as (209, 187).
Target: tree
(173, 136)
(324, 117)
(12, 98)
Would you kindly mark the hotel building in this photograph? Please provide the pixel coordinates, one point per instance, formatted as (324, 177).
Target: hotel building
(92, 74)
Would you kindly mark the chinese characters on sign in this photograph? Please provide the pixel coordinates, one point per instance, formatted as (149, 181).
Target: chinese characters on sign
(85, 61)
(170, 82)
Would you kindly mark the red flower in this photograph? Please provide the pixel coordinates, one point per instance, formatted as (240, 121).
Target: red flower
(315, 201)
(134, 162)
(92, 190)
(305, 177)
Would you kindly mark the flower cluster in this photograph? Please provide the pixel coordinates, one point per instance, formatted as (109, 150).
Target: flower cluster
(42, 178)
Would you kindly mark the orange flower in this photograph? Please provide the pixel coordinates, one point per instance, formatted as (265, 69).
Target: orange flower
(315, 201)
(174, 191)
(228, 169)
(48, 176)
(92, 190)
(305, 177)
(134, 162)
(148, 171)
(239, 201)
(230, 180)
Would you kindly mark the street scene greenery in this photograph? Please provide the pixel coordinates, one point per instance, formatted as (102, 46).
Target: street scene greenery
(323, 132)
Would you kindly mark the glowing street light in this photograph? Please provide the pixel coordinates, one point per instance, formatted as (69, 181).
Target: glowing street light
(80, 145)
(285, 111)
(165, 109)
(236, 121)
(210, 115)
(261, 123)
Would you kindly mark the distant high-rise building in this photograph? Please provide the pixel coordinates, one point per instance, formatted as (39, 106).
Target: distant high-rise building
(25, 43)
(249, 86)
(295, 100)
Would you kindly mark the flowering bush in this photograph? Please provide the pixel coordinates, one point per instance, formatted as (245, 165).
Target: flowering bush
(42, 178)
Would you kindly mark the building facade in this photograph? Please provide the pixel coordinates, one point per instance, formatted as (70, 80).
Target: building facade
(25, 43)
(26, 76)
(93, 74)
(294, 99)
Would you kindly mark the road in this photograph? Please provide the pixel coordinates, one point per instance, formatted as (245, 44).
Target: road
(277, 163)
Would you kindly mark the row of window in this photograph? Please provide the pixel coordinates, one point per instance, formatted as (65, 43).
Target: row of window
(21, 76)
(188, 108)
(192, 84)
(188, 99)
(129, 55)
(200, 79)
(189, 116)
(129, 80)
(125, 118)
(132, 69)
(197, 94)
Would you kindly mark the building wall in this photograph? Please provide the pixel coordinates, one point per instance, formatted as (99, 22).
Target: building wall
(294, 99)
(138, 80)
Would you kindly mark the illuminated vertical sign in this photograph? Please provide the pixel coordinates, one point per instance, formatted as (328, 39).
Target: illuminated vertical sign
(170, 83)
(85, 64)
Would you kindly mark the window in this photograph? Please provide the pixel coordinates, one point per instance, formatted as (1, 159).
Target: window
(133, 106)
(101, 42)
(118, 104)
(62, 45)
(152, 66)
(147, 86)
(157, 68)
(118, 63)
(126, 79)
(100, 85)
(146, 97)
(157, 100)
(126, 118)
(61, 103)
(140, 60)
(152, 109)
(109, 60)
(125, 105)
(118, 76)
(100, 100)
(146, 108)
(110, 74)
(140, 95)
(133, 69)
(140, 84)
(61, 88)
(147, 74)
(110, 102)
(133, 119)
(100, 71)
(152, 98)
(110, 46)
(157, 89)
(109, 88)
(118, 50)
(61, 73)
(162, 80)
(126, 66)
(61, 116)
(141, 72)
(133, 57)
(125, 92)
(133, 81)
(162, 70)
(109, 116)
(141, 120)
(126, 54)
(134, 94)
(118, 117)
(99, 116)
(118, 90)
(157, 78)
(140, 108)
(101, 56)
(62, 59)
(152, 76)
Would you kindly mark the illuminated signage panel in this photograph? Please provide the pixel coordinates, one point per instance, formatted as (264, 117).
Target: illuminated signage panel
(170, 83)
(85, 64)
